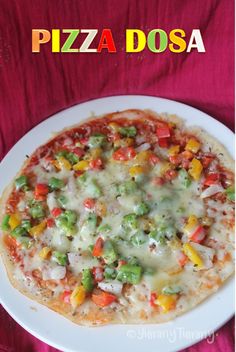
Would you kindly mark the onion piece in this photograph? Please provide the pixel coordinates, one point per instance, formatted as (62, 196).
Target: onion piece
(140, 139)
(211, 190)
(74, 258)
(67, 141)
(143, 147)
(206, 253)
(112, 287)
(58, 273)
(51, 201)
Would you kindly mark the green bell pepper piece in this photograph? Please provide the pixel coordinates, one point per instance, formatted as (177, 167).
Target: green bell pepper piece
(142, 209)
(37, 211)
(21, 182)
(97, 140)
(110, 272)
(130, 131)
(171, 290)
(184, 178)
(129, 274)
(230, 192)
(127, 187)
(5, 223)
(55, 183)
(18, 231)
(87, 280)
(129, 221)
(109, 252)
(59, 257)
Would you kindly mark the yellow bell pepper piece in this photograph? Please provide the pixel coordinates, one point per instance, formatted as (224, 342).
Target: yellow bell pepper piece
(45, 253)
(14, 221)
(38, 229)
(191, 223)
(175, 243)
(173, 150)
(114, 126)
(81, 165)
(193, 145)
(143, 156)
(165, 167)
(64, 163)
(123, 142)
(78, 296)
(166, 302)
(136, 170)
(101, 209)
(56, 164)
(195, 169)
(192, 254)
(96, 153)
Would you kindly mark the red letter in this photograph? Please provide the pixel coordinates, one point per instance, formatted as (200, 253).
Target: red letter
(107, 42)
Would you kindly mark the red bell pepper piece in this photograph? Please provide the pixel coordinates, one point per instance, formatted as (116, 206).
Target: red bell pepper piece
(66, 296)
(95, 164)
(40, 191)
(163, 132)
(98, 247)
(153, 159)
(212, 179)
(198, 235)
(97, 272)
(50, 222)
(103, 299)
(124, 154)
(171, 175)
(89, 203)
(182, 258)
(56, 212)
(163, 142)
(153, 297)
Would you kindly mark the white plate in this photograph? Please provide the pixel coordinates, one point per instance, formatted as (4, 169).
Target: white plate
(65, 335)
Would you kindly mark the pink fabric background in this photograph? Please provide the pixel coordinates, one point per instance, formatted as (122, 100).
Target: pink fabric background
(35, 86)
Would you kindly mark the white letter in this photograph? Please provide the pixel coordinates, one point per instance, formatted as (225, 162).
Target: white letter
(196, 35)
(88, 40)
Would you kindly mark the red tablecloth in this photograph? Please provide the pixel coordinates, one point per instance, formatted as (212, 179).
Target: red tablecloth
(35, 86)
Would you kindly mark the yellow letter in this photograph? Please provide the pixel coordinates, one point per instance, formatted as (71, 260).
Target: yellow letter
(55, 40)
(177, 41)
(36, 41)
(141, 40)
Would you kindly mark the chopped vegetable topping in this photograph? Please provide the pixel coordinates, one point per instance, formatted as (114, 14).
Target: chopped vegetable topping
(103, 299)
(87, 280)
(55, 183)
(130, 274)
(128, 131)
(21, 182)
(59, 258)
